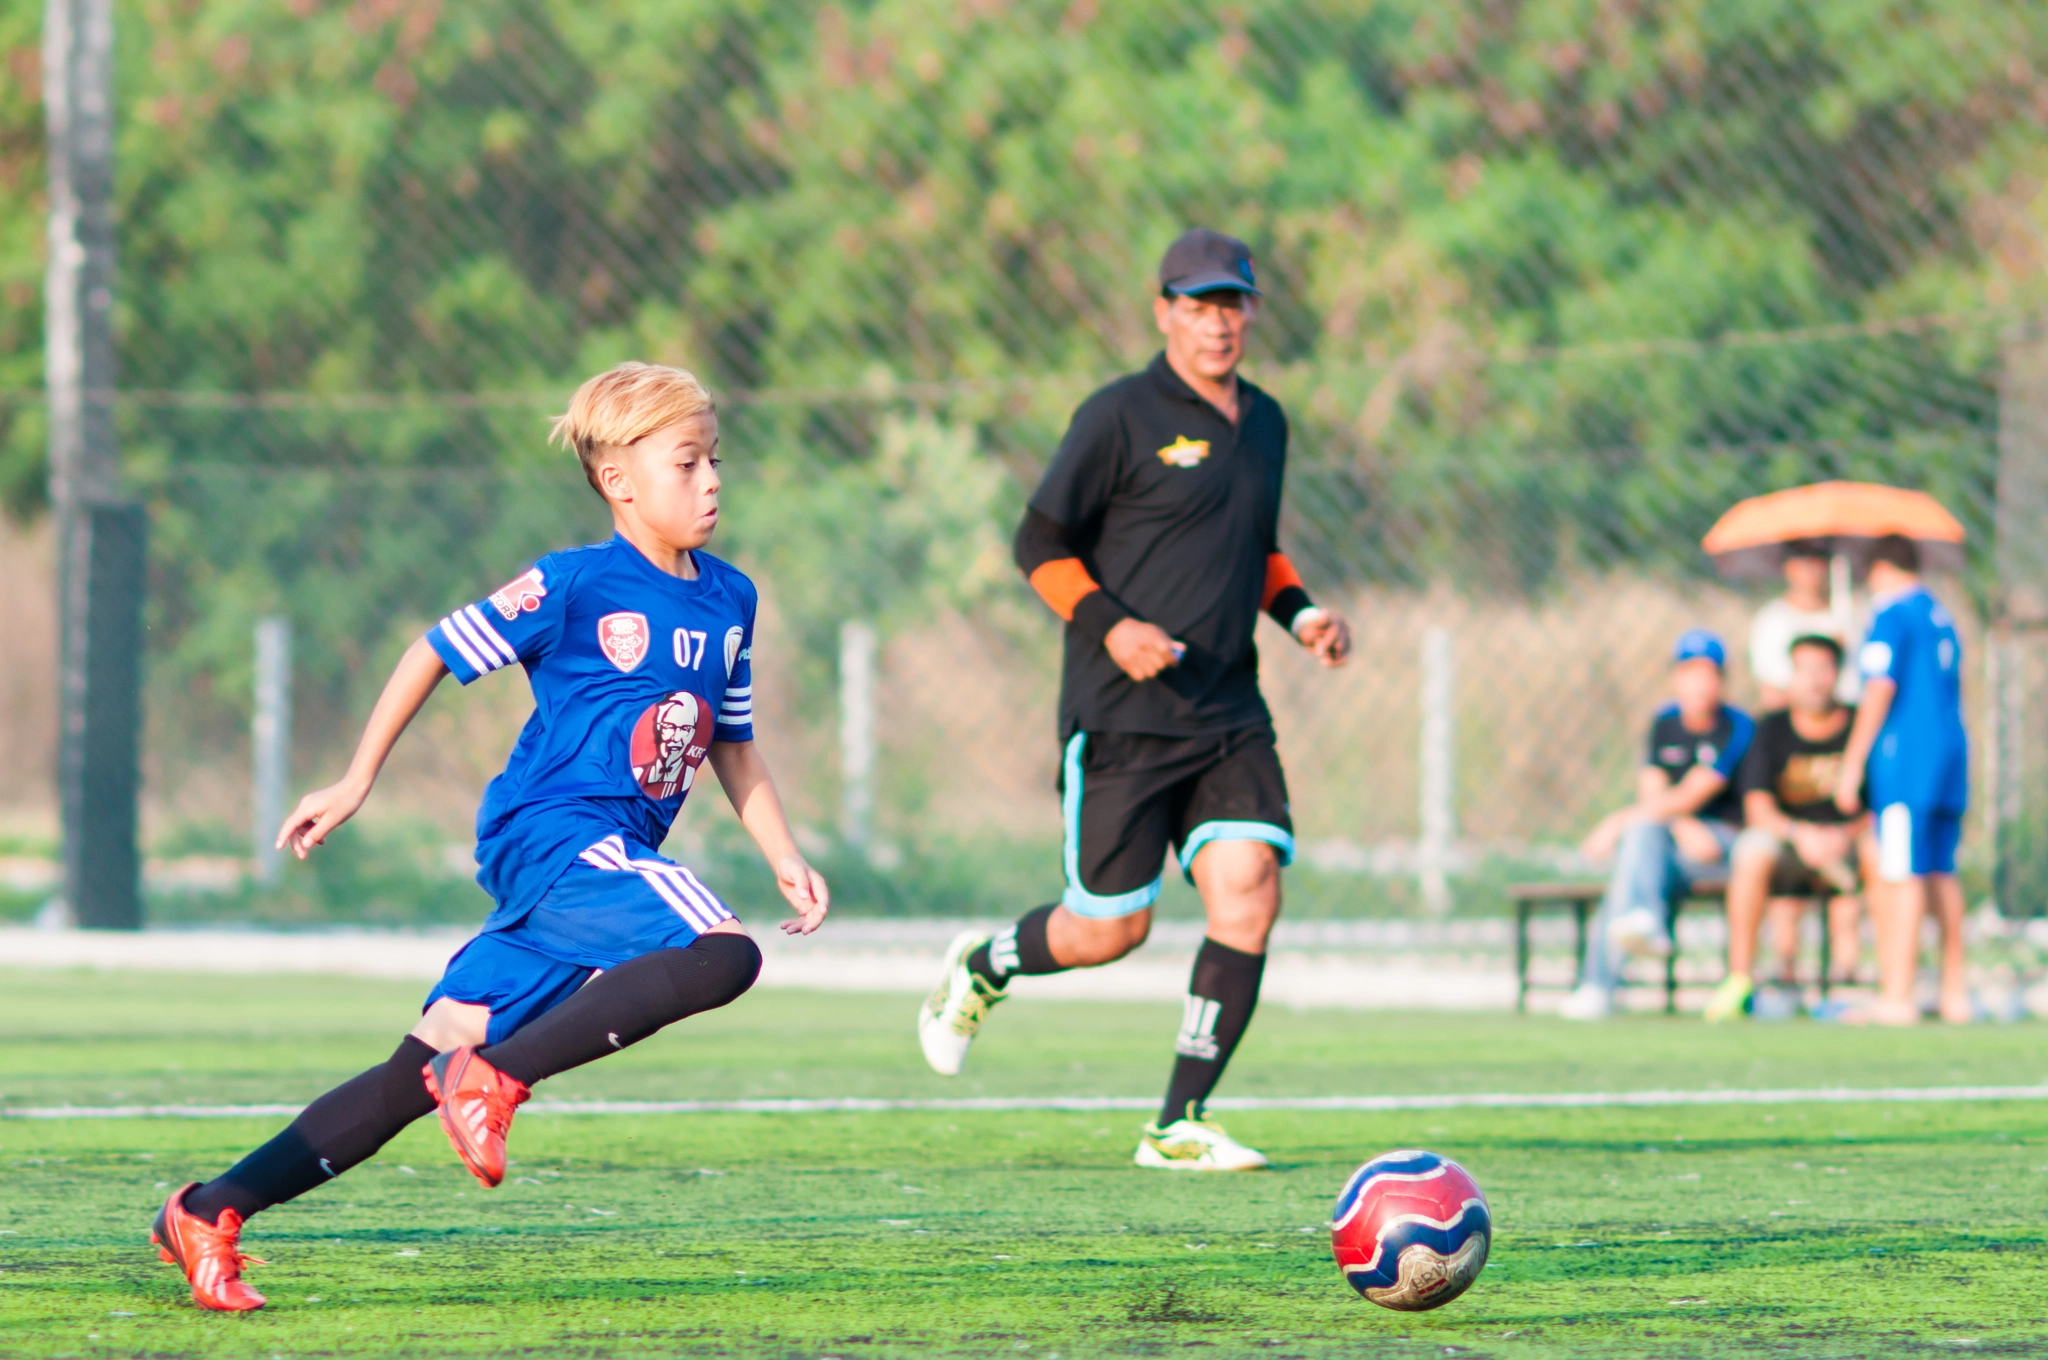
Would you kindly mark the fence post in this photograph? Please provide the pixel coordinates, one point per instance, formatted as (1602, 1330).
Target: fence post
(857, 647)
(1438, 813)
(100, 539)
(270, 742)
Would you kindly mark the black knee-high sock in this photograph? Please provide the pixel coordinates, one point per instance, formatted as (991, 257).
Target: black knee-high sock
(628, 1003)
(334, 1133)
(1017, 950)
(1222, 993)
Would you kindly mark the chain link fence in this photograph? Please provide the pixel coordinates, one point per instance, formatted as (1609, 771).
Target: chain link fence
(1550, 286)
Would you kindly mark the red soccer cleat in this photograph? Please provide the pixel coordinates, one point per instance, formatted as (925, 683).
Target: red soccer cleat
(209, 1254)
(477, 1101)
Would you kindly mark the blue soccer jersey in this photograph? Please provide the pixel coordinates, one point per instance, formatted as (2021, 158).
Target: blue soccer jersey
(1922, 752)
(635, 673)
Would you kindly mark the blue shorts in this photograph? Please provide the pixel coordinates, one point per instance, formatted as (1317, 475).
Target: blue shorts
(1913, 841)
(613, 904)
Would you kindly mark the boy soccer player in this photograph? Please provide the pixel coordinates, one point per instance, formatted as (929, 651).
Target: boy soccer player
(639, 652)
(1909, 736)
(1155, 536)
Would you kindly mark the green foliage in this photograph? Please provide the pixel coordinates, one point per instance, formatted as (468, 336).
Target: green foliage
(1549, 283)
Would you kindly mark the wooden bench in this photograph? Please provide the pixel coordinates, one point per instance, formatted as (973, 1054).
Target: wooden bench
(1582, 897)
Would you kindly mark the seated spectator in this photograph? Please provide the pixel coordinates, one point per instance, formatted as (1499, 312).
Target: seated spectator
(1678, 830)
(1796, 842)
(1802, 611)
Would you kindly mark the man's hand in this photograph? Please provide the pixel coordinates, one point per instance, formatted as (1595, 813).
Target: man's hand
(1326, 634)
(805, 890)
(1141, 649)
(318, 813)
(1695, 842)
(1819, 846)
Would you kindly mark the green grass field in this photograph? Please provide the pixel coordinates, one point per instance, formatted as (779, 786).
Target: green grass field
(1807, 1230)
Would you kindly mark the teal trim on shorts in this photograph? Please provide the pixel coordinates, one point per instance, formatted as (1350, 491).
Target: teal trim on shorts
(1282, 841)
(1078, 899)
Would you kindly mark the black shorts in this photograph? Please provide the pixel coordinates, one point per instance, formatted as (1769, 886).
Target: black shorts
(1128, 796)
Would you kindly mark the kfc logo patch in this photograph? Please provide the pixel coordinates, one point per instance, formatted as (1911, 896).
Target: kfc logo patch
(667, 748)
(623, 639)
(523, 596)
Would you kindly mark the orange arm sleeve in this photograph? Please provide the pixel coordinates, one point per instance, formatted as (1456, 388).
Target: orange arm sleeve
(1280, 574)
(1062, 583)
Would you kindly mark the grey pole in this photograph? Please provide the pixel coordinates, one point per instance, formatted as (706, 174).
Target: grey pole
(1438, 810)
(100, 538)
(857, 647)
(271, 742)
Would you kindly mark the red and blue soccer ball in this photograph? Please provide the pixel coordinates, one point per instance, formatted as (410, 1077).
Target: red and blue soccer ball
(1411, 1230)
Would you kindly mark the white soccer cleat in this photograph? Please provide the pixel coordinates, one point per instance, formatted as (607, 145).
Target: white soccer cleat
(1587, 1002)
(951, 1016)
(1638, 932)
(1195, 1145)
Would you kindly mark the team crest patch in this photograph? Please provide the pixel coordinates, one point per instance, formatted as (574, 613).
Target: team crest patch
(522, 596)
(1184, 452)
(623, 639)
(666, 748)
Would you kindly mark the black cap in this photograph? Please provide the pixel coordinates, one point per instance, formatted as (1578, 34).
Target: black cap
(1204, 261)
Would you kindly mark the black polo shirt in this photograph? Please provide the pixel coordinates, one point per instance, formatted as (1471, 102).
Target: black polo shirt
(1173, 510)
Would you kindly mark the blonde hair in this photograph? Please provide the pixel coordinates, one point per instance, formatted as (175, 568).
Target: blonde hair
(623, 405)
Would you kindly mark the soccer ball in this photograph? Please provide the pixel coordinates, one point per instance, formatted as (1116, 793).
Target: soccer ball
(1410, 1231)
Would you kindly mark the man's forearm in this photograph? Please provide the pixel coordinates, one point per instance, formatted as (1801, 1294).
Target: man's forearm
(1045, 553)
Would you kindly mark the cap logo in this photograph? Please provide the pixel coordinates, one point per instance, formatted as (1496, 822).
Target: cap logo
(1184, 452)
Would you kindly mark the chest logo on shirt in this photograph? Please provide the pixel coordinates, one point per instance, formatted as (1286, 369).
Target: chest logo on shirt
(670, 739)
(623, 638)
(522, 596)
(1184, 452)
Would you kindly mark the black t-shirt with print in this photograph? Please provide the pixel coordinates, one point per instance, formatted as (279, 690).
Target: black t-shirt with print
(1799, 773)
(1173, 510)
(1677, 751)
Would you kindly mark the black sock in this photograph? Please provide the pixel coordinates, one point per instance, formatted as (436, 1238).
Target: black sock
(1017, 950)
(334, 1133)
(628, 1003)
(1222, 994)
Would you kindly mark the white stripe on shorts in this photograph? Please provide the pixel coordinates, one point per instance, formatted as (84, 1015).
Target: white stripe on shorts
(675, 884)
(1895, 843)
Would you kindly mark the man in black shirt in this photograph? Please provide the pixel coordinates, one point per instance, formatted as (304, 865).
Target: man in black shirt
(1679, 828)
(1155, 535)
(1795, 836)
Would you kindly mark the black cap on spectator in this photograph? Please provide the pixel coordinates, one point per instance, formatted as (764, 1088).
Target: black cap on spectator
(1204, 261)
(1809, 547)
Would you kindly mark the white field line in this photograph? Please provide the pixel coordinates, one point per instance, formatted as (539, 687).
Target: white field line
(1492, 1100)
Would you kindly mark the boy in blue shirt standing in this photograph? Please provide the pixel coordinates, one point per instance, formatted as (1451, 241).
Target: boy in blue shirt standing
(1909, 736)
(640, 655)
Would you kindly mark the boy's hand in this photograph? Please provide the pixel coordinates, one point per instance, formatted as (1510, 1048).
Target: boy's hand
(318, 813)
(1849, 790)
(805, 889)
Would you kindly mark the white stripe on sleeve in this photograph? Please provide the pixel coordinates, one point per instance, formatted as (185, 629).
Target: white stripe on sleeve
(482, 651)
(490, 633)
(461, 645)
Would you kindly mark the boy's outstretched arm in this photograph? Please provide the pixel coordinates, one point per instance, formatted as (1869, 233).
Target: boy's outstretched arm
(405, 693)
(743, 774)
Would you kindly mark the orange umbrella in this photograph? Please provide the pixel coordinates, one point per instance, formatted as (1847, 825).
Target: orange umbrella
(1843, 518)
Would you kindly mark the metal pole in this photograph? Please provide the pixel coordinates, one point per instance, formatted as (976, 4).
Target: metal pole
(857, 647)
(271, 743)
(100, 539)
(1438, 815)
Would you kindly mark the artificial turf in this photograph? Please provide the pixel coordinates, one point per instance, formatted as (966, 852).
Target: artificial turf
(1809, 1230)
